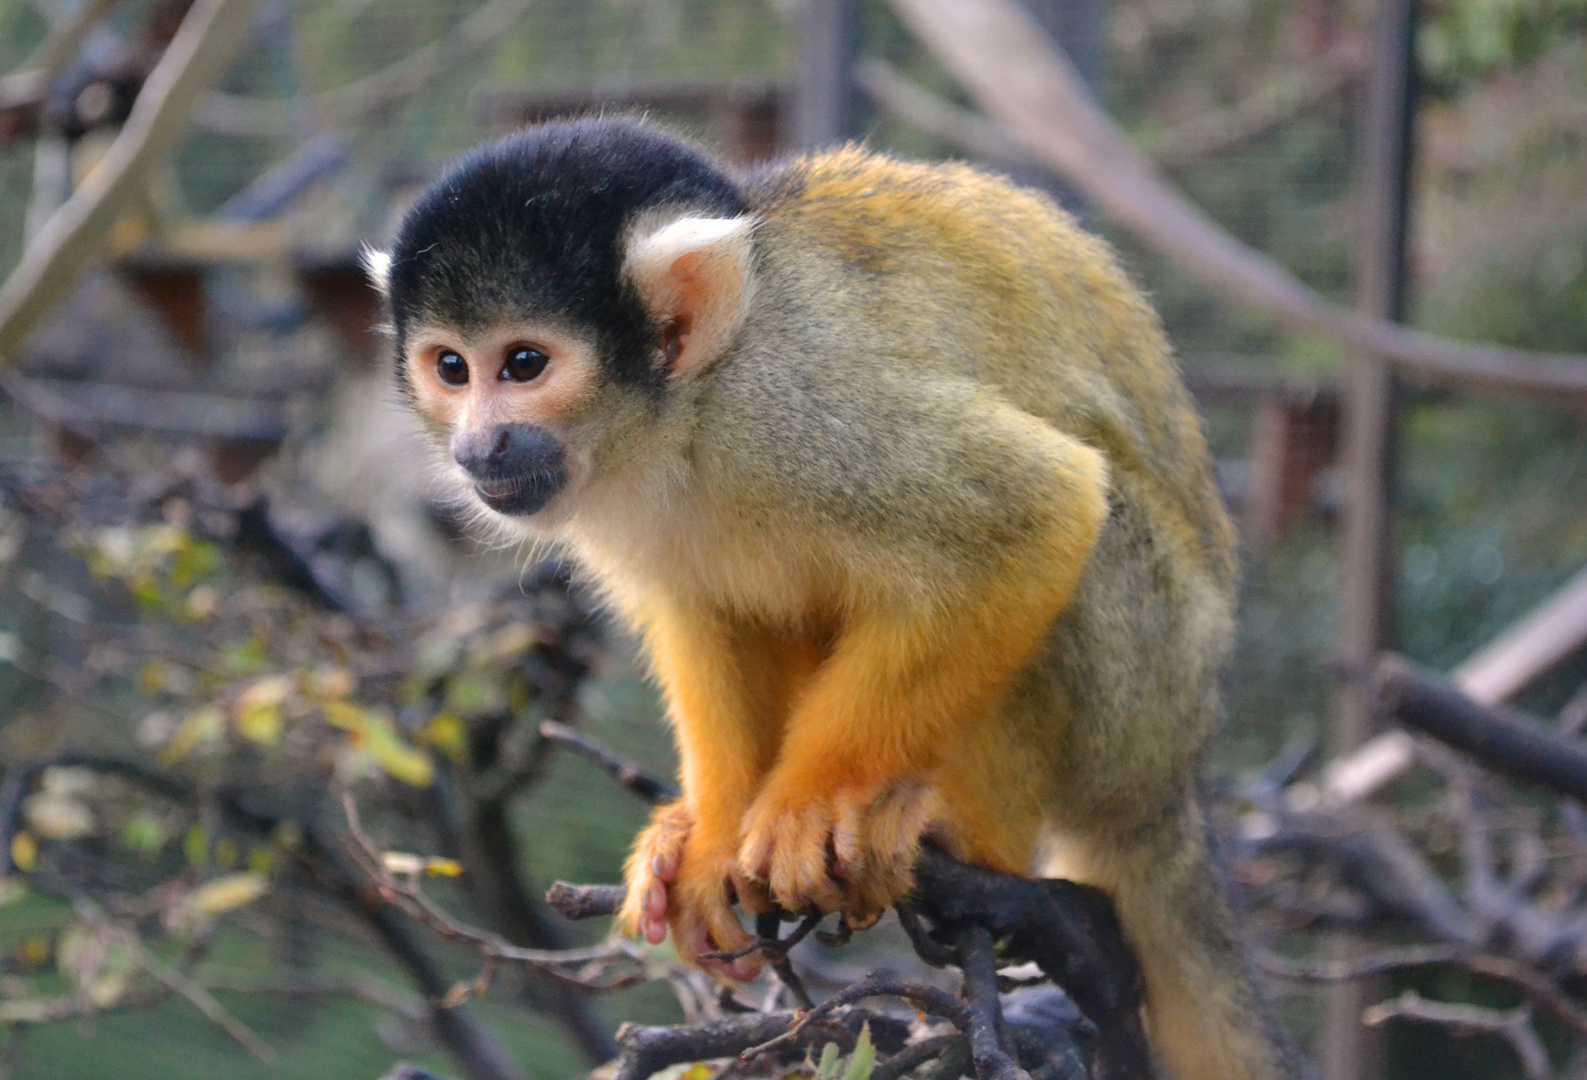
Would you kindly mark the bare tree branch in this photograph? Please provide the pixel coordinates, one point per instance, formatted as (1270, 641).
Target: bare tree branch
(206, 40)
(652, 789)
(1176, 147)
(31, 79)
(585, 901)
(999, 53)
(1267, 109)
(1500, 739)
(1513, 1026)
(411, 901)
(391, 85)
(1547, 635)
(179, 411)
(1541, 989)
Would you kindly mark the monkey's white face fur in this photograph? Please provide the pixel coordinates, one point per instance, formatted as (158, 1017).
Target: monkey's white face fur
(534, 428)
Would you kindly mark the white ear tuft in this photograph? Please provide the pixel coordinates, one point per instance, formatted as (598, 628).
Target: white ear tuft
(377, 264)
(694, 274)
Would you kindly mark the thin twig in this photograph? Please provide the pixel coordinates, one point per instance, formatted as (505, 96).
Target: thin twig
(917, 1054)
(585, 901)
(1537, 986)
(770, 946)
(202, 1000)
(412, 902)
(978, 961)
(651, 788)
(926, 998)
(1512, 1025)
(766, 927)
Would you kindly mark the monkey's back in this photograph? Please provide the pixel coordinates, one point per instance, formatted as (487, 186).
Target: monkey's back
(965, 257)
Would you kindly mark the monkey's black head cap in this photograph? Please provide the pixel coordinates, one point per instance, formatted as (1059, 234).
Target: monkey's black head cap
(531, 227)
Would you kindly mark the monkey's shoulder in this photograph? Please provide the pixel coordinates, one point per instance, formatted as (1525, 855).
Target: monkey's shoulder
(879, 213)
(947, 275)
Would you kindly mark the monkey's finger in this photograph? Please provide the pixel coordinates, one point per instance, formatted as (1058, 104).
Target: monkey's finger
(863, 919)
(652, 923)
(799, 876)
(716, 928)
(848, 842)
(890, 843)
(899, 818)
(755, 854)
(656, 900)
(887, 879)
(752, 894)
(690, 939)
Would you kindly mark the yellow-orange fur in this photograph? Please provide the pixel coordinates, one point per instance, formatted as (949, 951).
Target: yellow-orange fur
(922, 539)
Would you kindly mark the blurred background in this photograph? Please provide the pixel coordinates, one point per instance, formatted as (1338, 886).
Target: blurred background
(226, 591)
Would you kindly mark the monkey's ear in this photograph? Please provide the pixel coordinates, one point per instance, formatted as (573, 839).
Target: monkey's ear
(377, 264)
(694, 276)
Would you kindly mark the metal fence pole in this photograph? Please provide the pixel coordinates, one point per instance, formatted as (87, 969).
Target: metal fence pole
(826, 100)
(1366, 592)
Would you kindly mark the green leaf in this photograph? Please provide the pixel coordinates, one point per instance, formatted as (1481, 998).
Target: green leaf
(828, 1067)
(863, 1060)
(375, 735)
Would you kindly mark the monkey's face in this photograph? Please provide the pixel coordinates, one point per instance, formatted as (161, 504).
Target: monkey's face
(555, 299)
(506, 401)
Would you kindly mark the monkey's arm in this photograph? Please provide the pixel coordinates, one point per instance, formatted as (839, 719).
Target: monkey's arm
(726, 742)
(993, 521)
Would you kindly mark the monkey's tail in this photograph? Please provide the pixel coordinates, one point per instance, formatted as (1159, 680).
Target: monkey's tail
(1204, 1015)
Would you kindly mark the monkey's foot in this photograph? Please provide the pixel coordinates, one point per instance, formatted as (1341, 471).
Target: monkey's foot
(675, 882)
(849, 849)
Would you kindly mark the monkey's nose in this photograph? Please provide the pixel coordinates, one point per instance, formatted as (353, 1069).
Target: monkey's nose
(506, 451)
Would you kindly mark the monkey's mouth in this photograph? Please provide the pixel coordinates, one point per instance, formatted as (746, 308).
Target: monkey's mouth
(519, 496)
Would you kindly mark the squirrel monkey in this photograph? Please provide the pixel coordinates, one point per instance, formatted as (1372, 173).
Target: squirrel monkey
(892, 472)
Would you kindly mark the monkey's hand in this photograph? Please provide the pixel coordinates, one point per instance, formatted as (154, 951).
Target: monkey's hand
(678, 879)
(848, 847)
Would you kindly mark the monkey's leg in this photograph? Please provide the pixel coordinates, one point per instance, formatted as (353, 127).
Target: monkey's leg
(723, 685)
(914, 675)
(1203, 1014)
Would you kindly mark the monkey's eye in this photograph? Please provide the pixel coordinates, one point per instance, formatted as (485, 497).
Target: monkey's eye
(452, 368)
(524, 364)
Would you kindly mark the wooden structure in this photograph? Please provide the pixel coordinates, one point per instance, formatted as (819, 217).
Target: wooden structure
(1295, 434)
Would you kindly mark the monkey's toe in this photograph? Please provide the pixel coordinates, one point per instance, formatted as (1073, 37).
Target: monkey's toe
(852, 851)
(651, 868)
(875, 845)
(703, 921)
(788, 850)
(681, 881)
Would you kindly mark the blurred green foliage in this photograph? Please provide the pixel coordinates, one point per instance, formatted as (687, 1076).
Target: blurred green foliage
(1463, 40)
